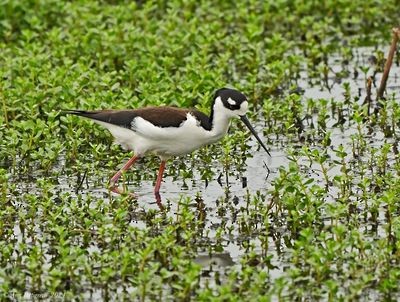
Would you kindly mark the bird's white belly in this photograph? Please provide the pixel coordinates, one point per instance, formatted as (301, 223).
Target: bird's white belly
(175, 148)
(165, 142)
(165, 148)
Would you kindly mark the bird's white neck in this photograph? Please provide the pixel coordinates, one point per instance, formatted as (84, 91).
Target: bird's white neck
(220, 125)
(220, 120)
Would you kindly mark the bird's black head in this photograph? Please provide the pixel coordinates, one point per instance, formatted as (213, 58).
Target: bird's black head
(230, 103)
(231, 98)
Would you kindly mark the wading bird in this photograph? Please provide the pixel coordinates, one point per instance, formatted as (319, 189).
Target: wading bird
(169, 131)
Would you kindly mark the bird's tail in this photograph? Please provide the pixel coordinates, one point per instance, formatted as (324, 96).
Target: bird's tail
(83, 113)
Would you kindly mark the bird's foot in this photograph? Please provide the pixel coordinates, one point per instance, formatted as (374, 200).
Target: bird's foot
(116, 189)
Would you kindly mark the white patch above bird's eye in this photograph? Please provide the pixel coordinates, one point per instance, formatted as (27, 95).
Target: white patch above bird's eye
(231, 102)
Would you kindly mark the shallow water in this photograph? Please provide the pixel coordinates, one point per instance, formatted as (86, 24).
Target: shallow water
(229, 190)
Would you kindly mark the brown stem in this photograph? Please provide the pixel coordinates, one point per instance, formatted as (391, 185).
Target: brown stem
(388, 64)
(368, 98)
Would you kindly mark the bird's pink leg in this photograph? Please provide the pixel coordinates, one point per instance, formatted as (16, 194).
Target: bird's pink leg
(159, 177)
(114, 179)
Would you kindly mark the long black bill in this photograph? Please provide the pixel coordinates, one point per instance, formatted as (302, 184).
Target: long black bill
(247, 123)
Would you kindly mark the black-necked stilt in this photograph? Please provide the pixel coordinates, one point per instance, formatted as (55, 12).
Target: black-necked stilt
(169, 131)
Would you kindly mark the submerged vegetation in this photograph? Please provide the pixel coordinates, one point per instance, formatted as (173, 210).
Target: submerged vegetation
(325, 223)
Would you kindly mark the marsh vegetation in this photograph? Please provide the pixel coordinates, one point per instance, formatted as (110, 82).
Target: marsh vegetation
(323, 226)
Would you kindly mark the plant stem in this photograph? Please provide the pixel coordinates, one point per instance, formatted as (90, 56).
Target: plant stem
(4, 108)
(388, 64)
(368, 98)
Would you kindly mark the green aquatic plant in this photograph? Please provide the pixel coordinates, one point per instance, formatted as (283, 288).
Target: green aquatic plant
(323, 226)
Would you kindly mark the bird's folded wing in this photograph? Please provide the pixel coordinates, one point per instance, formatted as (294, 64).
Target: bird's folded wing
(156, 123)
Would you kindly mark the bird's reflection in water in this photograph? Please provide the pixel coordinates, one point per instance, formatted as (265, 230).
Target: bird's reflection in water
(159, 201)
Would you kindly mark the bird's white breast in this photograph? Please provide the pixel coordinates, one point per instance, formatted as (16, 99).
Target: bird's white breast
(144, 137)
(170, 141)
